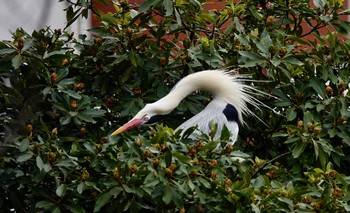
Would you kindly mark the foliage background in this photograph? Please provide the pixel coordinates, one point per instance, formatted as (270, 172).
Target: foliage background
(67, 95)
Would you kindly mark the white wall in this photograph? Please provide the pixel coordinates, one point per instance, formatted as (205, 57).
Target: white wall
(36, 14)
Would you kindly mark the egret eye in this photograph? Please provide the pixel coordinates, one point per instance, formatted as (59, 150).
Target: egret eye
(145, 118)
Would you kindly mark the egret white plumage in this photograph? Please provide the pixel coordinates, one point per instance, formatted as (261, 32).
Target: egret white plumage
(229, 103)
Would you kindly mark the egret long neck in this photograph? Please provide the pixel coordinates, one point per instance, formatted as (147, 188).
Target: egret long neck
(182, 89)
(213, 82)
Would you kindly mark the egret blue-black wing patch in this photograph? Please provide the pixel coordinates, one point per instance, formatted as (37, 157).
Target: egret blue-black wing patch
(231, 113)
(156, 118)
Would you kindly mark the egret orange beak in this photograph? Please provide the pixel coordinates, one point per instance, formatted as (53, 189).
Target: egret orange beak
(131, 124)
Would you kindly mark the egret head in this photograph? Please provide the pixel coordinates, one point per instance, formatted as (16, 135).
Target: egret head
(150, 114)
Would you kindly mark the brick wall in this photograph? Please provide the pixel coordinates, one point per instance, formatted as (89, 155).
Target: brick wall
(212, 4)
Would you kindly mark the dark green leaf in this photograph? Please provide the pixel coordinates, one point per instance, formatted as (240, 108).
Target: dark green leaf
(61, 190)
(24, 157)
(298, 149)
(133, 57)
(39, 163)
(70, 13)
(169, 8)
(204, 182)
(60, 107)
(250, 55)
(6, 51)
(293, 60)
(54, 53)
(200, 194)
(181, 157)
(17, 61)
(85, 117)
(259, 182)
(102, 200)
(291, 114)
(75, 208)
(65, 82)
(24, 145)
(72, 94)
(80, 187)
(319, 3)
(147, 4)
(45, 204)
(299, 40)
(318, 86)
(167, 195)
(65, 120)
(94, 112)
(168, 157)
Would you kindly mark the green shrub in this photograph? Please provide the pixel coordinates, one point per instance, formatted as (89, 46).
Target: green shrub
(67, 95)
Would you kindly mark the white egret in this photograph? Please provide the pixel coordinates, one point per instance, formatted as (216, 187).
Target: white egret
(229, 104)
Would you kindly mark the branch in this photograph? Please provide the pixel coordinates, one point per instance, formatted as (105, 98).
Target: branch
(270, 161)
(314, 28)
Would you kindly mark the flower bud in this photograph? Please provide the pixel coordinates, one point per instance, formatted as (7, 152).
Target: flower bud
(54, 132)
(200, 209)
(79, 86)
(342, 87)
(74, 104)
(228, 148)
(64, 61)
(271, 173)
(192, 152)
(172, 167)
(332, 173)
(341, 120)
(103, 140)
(310, 127)
(36, 148)
(186, 43)
(82, 132)
(182, 210)
(307, 199)
(213, 174)
(164, 147)
(29, 128)
(99, 147)
(168, 172)
(54, 77)
(51, 156)
(133, 168)
(336, 192)
(199, 145)
(110, 102)
(137, 90)
(270, 20)
(300, 124)
(194, 173)
(329, 91)
(85, 175)
(155, 163)
(213, 163)
(116, 174)
(138, 142)
(147, 154)
(162, 61)
(282, 52)
(227, 182)
(317, 206)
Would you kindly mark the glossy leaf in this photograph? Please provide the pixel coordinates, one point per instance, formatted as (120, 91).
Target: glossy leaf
(17, 61)
(298, 149)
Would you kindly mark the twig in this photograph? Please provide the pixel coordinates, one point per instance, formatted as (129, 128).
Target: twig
(270, 161)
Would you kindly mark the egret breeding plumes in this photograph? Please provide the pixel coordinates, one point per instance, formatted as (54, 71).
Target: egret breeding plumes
(230, 102)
